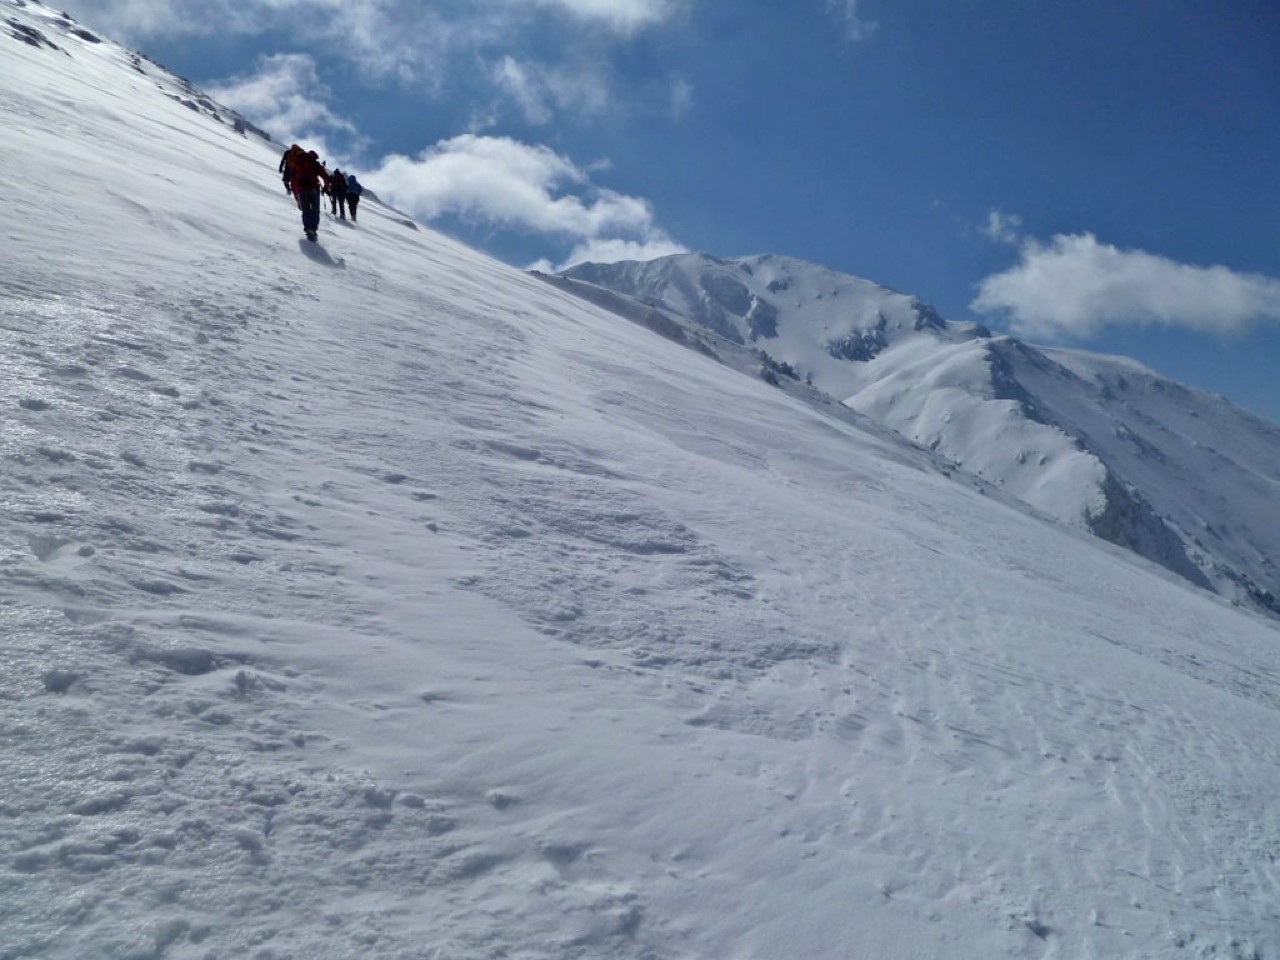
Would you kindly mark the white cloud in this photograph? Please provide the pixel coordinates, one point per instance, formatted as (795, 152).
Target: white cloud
(855, 26)
(530, 187)
(1074, 286)
(286, 98)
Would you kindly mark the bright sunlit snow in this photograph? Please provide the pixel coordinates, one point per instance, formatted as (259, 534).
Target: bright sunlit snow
(374, 599)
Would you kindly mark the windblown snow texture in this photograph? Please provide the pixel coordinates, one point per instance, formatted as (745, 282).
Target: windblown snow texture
(374, 599)
(1100, 443)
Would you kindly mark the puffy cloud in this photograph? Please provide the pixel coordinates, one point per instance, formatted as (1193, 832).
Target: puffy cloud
(285, 97)
(1074, 286)
(530, 187)
(506, 182)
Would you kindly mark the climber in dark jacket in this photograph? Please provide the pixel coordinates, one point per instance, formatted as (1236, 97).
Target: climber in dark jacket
(308, 173)
(353, 194)
(338, 192)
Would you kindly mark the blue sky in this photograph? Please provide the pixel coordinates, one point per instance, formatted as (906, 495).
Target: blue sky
(1093, 173)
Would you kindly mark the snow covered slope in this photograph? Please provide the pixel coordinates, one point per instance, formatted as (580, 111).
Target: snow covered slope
(374, 599)
(1180, 476)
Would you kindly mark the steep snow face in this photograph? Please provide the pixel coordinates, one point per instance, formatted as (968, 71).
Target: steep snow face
(949, 399)
(1097, 443)
(373, 599)
(1208, 469)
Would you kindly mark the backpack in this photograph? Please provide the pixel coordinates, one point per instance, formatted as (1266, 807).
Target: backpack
(353, 185)
(307, 171)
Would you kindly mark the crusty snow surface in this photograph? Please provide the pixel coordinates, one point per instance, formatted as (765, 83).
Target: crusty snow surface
(374, 599)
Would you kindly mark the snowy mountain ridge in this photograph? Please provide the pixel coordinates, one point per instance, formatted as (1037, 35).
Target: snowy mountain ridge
(1100, 443)
(372, 598)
